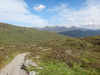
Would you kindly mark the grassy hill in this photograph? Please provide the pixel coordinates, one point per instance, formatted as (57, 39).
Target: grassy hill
(14, 40)
(20, 35)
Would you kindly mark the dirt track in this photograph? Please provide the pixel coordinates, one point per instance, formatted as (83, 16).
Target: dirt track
(14, 67)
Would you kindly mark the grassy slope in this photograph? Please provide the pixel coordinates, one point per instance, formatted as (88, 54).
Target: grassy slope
(95, 40)
(14, 39)
(69, 56)
(21, 35)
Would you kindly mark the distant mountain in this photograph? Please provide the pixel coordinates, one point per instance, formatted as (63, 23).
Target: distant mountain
(53, 28)
(72, 31)
(81, 33)
(60, 28)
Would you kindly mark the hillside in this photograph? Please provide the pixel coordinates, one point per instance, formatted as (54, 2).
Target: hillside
(69, 56)
(15, 40)
(81, 33)
(20, 35)
(95, 40)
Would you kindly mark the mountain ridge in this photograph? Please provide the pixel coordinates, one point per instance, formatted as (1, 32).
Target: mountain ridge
(60, 28)
(72, 31)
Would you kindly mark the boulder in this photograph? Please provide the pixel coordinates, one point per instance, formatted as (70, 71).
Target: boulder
(32, 73)
(29, 63)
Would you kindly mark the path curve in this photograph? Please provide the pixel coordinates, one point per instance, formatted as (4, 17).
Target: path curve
(14, 67)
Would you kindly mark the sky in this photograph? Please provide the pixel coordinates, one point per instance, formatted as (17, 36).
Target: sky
(40, 13)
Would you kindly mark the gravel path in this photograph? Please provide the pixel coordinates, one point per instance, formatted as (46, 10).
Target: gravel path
(13, 68)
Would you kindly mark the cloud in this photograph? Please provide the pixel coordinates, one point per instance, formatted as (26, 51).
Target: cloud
(17, 11)
(88, 14)
(91, 23)
(39, 8)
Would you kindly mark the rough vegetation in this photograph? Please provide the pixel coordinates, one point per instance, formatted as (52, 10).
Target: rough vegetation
(54, 54)
(20, 35)
(14, 39)
(69, 56)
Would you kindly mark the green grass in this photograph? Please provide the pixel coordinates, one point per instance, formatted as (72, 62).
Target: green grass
(69, 43)
(8, 52)
(68, 56)
(78, 55)
(53, 67)
(10, 34)
(63, 69)
(21, 38)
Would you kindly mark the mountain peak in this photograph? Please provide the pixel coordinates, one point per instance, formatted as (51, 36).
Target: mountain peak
(73, 27)
(59, 28)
